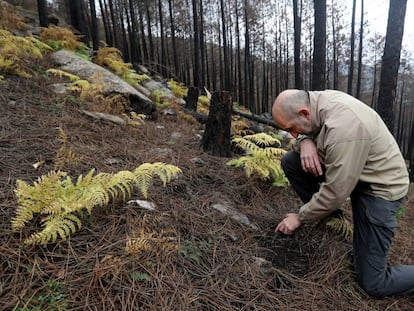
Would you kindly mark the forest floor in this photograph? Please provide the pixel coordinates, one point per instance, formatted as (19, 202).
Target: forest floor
(220, 264)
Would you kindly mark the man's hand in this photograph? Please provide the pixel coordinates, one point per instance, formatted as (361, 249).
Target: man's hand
(310, 160)
(289, 224)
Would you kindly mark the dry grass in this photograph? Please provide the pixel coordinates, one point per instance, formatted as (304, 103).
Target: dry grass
(218, 266)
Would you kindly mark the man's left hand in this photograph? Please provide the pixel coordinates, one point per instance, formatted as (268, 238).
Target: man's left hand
(289, 224)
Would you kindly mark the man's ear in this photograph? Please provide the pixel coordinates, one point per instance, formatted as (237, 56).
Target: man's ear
(305, 112)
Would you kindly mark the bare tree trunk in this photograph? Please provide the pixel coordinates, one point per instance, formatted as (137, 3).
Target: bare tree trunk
(361, 35)
(319, 52)
(145, 56)
(196, 65)
(150, 38)
(202, 47)
(192, 98)
(174, 46)
(351, 60)
(297, 31)
(104, 13)
(216, 139)
(391, 61)
(77, 19)
(162, 35)
(42, 10)
(94, 26)
(334, 50)
(227, 70)
(114, 25)
(133, 31)
(239, 65)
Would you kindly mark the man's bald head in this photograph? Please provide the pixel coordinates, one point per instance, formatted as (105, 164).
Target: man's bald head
(291, 112)
(288, 104)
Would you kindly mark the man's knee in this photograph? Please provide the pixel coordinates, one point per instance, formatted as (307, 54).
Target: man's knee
(373, 289)
(290, 161)
(375, 292)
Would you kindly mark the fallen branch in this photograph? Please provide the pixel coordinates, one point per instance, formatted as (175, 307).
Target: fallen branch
(256, 118)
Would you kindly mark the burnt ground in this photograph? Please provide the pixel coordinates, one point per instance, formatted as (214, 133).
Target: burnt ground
(221, 264)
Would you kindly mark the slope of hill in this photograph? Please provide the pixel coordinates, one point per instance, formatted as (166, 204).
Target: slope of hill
(208, 243)
(220, 264)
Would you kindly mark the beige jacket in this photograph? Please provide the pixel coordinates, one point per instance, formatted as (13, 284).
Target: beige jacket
(355, 145)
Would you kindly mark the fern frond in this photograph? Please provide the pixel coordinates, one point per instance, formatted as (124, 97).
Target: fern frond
(145, 172)
(203, 101)
(272, 152)
(43, 47)
(9, 18)
(341, 226)
(122, 183)
(112, 58)
(59, 199)
(58, 37)
(55, 226)
(82, 84)
(245, 144)
(32, 199)
(150, 241)
(259, 159)
(178, 89)
(65, 154)
(135, 119)
(262, 139)
(61, 73)
(14, 51)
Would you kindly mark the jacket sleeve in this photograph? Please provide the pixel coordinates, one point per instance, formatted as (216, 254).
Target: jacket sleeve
(344, 163)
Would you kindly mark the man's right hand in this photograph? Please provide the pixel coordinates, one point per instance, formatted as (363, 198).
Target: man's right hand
(310, 160)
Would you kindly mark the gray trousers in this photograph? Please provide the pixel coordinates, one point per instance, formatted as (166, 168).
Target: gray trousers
(374, 225)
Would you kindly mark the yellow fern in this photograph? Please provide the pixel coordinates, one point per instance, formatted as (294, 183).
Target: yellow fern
(341, 226)
(262, 139)
(112, 58)
(150, 238)
(15, 51)
(259, 158)
(60, 200)
(65, 154)
(58, 37)
(135, 119)
(240, 126)
(62, 73)
(178, 89)
(9, 18)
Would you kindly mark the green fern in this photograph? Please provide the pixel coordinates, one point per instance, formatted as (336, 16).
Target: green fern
(261, 158)
(60, 200)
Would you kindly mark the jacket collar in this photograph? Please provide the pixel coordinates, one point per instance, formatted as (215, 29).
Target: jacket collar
(317, 116)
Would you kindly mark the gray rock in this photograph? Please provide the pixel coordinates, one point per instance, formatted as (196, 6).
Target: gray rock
(87, 70)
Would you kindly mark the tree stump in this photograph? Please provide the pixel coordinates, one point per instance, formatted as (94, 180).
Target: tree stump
(192, 98)
(216, 139)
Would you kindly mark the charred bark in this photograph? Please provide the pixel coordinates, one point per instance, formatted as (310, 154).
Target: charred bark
(216, 139)
(192, 98)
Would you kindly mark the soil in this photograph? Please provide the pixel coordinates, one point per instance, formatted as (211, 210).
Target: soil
(220, 265)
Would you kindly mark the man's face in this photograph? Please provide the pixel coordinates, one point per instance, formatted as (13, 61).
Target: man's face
(299, 125)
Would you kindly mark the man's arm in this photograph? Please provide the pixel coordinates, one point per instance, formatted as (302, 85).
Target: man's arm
(344, 163)
(309, 157)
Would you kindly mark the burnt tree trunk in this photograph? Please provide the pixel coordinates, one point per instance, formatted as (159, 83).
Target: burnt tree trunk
(192, 98)
(216, 139)
(42, 10)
